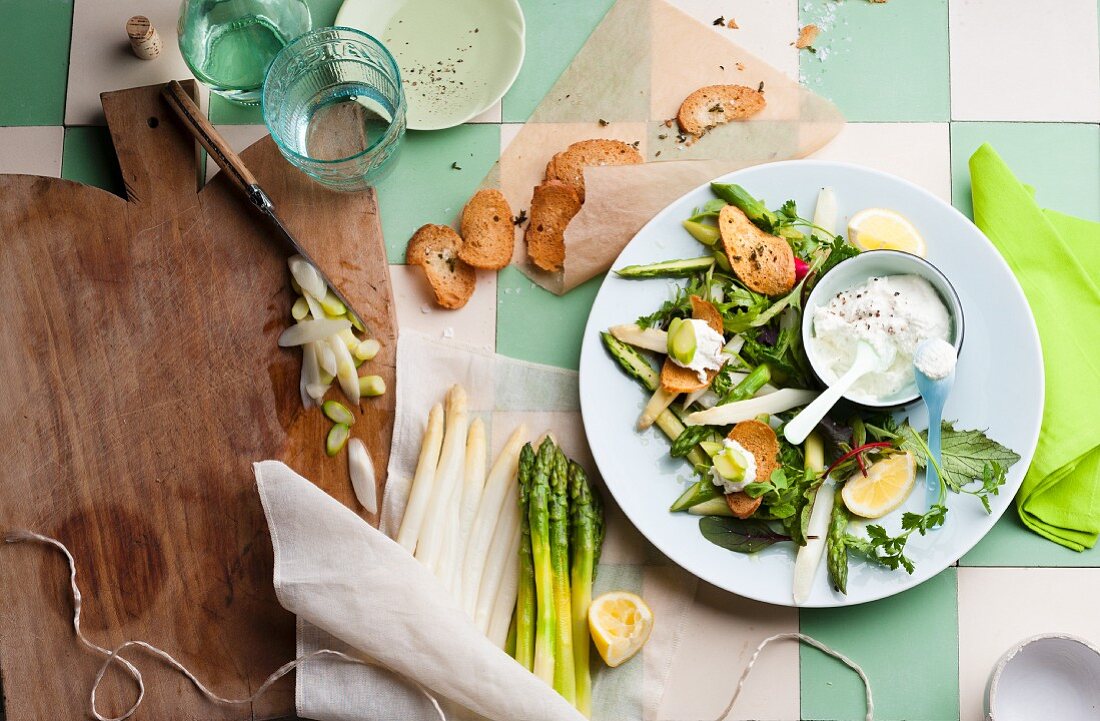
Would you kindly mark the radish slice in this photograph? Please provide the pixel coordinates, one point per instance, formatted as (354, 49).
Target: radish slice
(361, 470)
(779, 402)
(308, 277)
(309, 331)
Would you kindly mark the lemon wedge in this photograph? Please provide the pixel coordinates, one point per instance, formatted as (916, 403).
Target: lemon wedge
(620, 623)
(885, 487)
(883, 229)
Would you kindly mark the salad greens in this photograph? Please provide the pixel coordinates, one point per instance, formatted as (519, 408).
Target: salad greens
(764, 353)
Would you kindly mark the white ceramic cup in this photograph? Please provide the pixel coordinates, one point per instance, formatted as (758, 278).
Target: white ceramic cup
(1051, 676)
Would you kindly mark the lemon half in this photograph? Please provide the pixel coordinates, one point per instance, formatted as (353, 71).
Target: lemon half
(883, 229)
(620, 623)
(885, 487)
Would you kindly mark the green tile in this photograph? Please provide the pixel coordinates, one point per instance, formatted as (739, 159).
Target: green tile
(880, 61)
(1059, 159)
(1010, 543)
(34, 60)
(556, 30)
(322, 13)
(907, 644)
(535, 325)
(89, 157)
(424, 188)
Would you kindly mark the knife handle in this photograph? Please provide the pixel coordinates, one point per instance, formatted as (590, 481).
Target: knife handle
(203, 131)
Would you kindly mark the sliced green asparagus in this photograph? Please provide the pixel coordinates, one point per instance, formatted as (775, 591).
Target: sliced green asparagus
(525, 595)
(667, 269)
(538, 515)
(699, 492)
(705, 233)
(565, 681)
(587, 538)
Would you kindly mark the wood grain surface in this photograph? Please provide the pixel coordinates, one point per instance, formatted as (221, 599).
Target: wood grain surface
(142, 380)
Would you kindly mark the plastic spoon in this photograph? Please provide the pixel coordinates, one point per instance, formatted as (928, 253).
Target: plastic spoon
(934, 391)
(867, 360)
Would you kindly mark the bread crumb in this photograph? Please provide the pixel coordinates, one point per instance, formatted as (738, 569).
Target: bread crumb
(740, 66)
(806, 36)
(732, 24)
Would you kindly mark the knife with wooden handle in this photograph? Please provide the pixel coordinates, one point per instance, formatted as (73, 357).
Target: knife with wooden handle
(219, 151)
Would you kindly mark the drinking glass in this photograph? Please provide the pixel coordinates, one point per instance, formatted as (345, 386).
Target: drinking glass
(229, 44)
(333, 102)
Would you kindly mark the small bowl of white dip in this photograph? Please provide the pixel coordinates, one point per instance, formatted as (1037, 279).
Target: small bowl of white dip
(890, 300)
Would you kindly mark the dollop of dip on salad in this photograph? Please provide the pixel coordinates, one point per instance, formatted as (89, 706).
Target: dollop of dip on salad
(896, 310)
(734, 467)
(702, 349)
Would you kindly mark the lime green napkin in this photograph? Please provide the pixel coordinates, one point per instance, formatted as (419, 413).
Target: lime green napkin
(1056, 258)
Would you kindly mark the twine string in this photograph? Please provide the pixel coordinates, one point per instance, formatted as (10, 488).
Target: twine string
(820, 647)
(115, 656)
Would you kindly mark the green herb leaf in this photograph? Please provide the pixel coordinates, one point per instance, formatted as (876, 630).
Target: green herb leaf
(966, 454)
(740, 536)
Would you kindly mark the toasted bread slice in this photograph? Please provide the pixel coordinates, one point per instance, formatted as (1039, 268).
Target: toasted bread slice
(714, 105)
(760, 440)
(487, 232)
(677, 379)
(762, 261)
(435, 249)
(552, 207)
(568, 166)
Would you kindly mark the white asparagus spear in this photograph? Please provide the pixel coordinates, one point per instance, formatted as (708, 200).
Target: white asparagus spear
(825, 211)
(361, 470)
(808, 559)
(429, 550)
(502, 478)
(649, 338)
(658, 402)
(500, 558)
(501, 615)
(780, 401)
(473, 485)
(423, 480)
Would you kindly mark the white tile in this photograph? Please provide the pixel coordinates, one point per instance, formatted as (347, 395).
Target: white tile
(100, 58)
(508, 132)
(1000, 606)
(1022, 60)
(723, 631)
(474, 324)
(918, 152)
(32, 150)
(491, 115)
(766, 28)
(239, 137)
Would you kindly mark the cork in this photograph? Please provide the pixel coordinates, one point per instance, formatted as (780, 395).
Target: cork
(144, 39)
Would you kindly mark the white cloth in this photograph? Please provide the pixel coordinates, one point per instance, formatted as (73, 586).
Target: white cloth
(504, 392)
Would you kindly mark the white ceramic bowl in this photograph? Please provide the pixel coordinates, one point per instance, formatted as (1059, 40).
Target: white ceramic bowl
(1052, 676)
(856, 271)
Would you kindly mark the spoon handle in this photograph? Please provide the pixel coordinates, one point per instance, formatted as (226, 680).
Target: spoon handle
(800, 426)
(931, 475)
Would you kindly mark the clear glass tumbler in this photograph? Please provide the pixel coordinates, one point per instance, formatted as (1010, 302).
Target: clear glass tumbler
(229, 44)
(333, 102)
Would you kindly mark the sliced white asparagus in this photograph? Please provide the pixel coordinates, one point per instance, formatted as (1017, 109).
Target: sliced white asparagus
(647, 338)
(326, 358)
(308, 331)
(734, 345)
(308, 277)
(473, 486)
(501, 557)
(315, 309)
(429, 550)
(808, 559)
(423, 480)
(367, 349)
(501, 479)
(780, 401)
(346, 373)
(311, 375)
(500, 617)
(658, 402)
(317, 391)
(361, 470)
(825, 212)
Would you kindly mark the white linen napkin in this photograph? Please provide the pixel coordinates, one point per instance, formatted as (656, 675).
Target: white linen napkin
(504, 392)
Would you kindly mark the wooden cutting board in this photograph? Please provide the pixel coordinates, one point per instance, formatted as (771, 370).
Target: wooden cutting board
(141, 381)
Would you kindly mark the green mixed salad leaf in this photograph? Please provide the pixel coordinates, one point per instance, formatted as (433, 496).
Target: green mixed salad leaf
(740, 536)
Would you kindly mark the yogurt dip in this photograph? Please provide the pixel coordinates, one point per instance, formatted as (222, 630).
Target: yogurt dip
(708, 350)
(936, 358)
(898, 311)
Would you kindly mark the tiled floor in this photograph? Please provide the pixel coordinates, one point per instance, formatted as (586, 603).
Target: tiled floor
(922, 85)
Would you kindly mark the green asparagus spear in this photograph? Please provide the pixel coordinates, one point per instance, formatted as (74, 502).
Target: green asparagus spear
(684, 268)
(756, 211)
(510, 640)
(836, 552)
(538, 515)
(565, 682)
(586, 538)
(525, 596)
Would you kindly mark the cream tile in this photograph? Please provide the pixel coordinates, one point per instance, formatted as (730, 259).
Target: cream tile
(1000, 606)
(766, 28)
(1018, 60)
(508, 132)
(239, 137)
(918, 152)
(32, 150)
(723, 631)
(492, 115)
(100, 58)
(474, 324)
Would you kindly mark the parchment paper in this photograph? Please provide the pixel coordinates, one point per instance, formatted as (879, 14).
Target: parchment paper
(636, 68)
